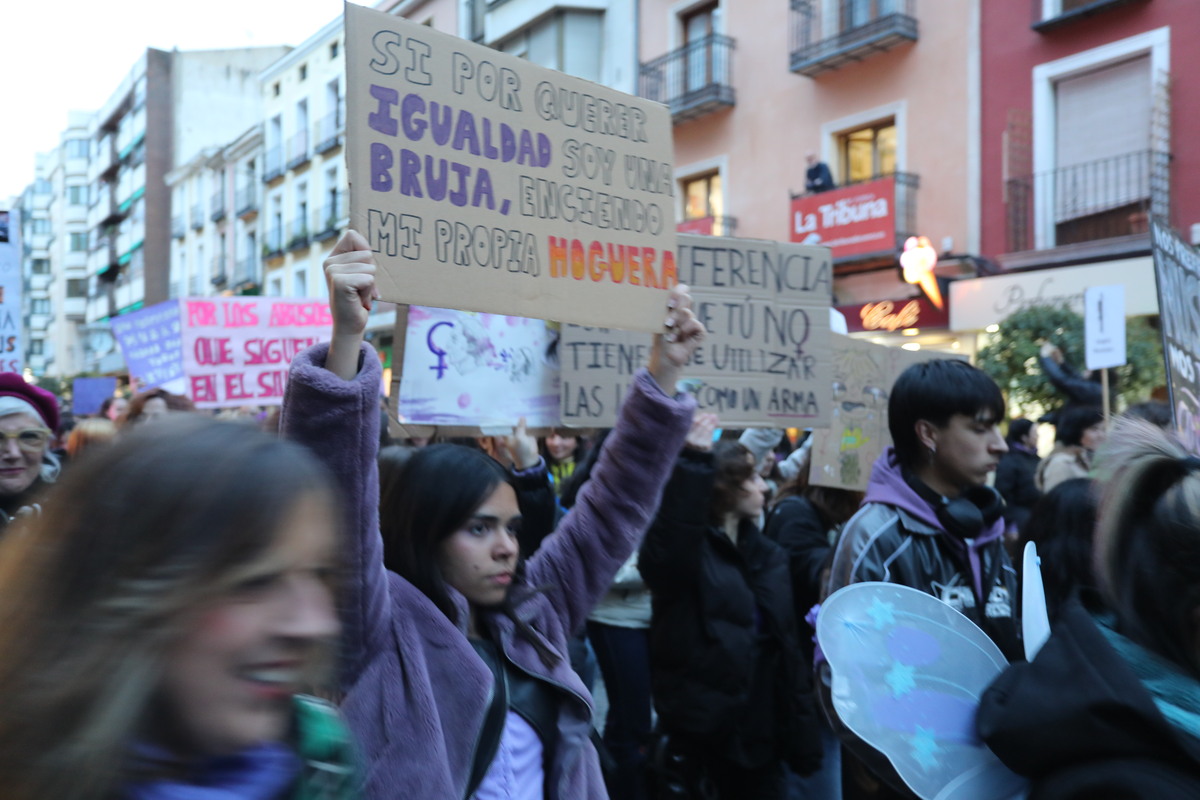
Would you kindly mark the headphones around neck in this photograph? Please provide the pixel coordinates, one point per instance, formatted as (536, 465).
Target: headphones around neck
(965, 516)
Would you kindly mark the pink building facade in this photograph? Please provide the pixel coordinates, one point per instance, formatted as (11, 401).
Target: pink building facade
(886, 93)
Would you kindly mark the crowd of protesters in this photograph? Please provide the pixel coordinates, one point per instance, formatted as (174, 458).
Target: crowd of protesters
(293, 605)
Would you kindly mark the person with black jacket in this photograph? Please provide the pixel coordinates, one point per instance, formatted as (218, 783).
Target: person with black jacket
(805, 521)
(1077, 388)
(1015, 473)
(1110, 706)
(733, 700)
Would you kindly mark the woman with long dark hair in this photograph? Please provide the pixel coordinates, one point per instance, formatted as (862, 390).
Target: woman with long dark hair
(454, 667)
(159, 621)
(733, 697)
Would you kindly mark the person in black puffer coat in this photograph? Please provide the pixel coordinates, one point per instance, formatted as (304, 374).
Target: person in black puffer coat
(734, 701)
(1110, 706)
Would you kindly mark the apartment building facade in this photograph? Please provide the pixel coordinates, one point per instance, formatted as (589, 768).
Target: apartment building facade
(885, 93)
(303, 178)
(63, 279)
(214, 230)
(1084, 129)
(37, 242)
(162, 111)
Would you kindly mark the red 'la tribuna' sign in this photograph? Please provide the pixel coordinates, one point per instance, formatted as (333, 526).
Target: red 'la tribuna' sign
(854, 220)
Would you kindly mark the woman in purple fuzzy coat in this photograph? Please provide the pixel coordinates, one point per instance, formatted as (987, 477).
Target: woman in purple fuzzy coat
(454, 661)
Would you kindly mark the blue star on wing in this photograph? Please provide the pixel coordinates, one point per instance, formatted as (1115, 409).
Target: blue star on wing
(883, 613)
(924, 747)
(900, 679)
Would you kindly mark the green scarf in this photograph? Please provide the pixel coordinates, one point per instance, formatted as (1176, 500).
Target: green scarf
(330, 771)
(1175, 693)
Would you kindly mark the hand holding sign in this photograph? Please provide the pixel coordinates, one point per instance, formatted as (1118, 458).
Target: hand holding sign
(519, 449)
(700, 435)
(682, 335)
(350, 275)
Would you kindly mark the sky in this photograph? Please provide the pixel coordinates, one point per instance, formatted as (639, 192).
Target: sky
(72, 54)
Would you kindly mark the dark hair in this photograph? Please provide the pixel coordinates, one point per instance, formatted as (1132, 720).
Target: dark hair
(581, 449)
(1074, 421)
(583, 471)
(1154, 412)
(834, 505)
(1018, 429)
(1061, 524)
(139, 535)
(1148, 540)
(392, 461)
(426, 501)
(734, 465)
(935, 391)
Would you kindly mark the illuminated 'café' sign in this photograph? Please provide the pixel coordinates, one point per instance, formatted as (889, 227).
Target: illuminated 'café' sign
(889, 316)
(854, 220)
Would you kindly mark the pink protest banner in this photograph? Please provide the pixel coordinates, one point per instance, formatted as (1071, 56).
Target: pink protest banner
(236, 350)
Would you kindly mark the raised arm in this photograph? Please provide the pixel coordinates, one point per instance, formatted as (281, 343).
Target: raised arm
(531, 481)
(332, 407)
(617, 503)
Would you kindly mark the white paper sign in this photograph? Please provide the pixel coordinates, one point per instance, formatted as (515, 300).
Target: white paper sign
(1104, 326)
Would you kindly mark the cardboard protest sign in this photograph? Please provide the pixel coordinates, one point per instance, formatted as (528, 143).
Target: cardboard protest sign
(463, 368)
(766, 359)
(149, 341)
(236, 350)
(488, 183)
(1177, 268)
(863, 374)
(88, 394)
(12, 344)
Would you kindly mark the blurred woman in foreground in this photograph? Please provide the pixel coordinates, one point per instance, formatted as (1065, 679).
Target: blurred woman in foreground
(159, 621)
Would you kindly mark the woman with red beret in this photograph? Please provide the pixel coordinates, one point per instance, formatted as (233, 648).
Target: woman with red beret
(28, 419)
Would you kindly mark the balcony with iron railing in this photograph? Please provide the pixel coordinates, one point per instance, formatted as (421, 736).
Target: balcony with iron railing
(298, 154)
(299, 235)
(245, 272)
(828, 34)
(694, 80)
(246, 201)
(328, 132)
(273, 243)
(860, 220)
(197, 216)
(217, 206)
(219, 276)
(273, 164)
(1098, 207)
(327, 220)
(1051, 14)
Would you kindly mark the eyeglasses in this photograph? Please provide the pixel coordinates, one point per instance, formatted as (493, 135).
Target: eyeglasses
(31, 440)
